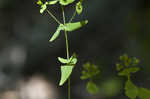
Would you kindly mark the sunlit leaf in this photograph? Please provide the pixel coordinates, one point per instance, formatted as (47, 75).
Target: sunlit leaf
(73, 60)
(131, 90)
(52, 2)
(39, 2)
(43, 8)
(79, 7)
(144, 93)
(62, 60)
(75, 26)
(56, 34)
(66, 2)
(92, 88)
(65, 73)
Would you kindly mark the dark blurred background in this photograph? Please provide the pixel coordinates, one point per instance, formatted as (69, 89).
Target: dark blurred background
(28, 61)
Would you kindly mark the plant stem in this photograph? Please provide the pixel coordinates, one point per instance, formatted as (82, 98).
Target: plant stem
(67, 49)
(53, 17)
(74, 14)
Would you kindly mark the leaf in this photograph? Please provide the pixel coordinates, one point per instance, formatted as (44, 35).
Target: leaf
(43, 8)
(66, 2)
(73, 60)
(127, 71)
(79, 8)
(90, 70)
(85, 75)
(39, 2)
(119, 67)
(64, 61)
(131, 90)
(75, 26)
(143, 93)
(92, 88)
(56, 34)
(65, 73)
(52, 2)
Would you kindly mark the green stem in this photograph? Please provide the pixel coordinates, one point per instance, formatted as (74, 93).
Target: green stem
(67, 47)
(128, 77)
(74, 14)
(67, 50)
(53, 17)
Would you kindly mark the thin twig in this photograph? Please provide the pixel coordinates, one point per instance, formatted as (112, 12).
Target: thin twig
(53, 17)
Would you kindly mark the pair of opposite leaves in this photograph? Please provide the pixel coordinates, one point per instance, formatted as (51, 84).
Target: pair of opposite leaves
(66, 69)
(68, 27)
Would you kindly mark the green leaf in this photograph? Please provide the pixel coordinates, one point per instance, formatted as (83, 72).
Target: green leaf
(56, 34)
(43, 8)
(73, 60)
(92, 88)
(52, 2)
(39, 2)
(64, 61)
(75, 26)
(131, 90)
(66, 2)
(127, 71)
(85, 75)
(89, 71)
(119, 67)
(143, 93)
(79, 8)
(65, 73)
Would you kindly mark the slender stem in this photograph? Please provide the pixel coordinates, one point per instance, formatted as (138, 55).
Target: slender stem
(67, 50)
(63, 13)
(67, 47)
(53, 17)
(74, 14)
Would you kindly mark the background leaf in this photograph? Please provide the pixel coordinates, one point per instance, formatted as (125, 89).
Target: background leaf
(131, 90)
(92, 88)
(65, 73)
(143, 93)
(127, 71)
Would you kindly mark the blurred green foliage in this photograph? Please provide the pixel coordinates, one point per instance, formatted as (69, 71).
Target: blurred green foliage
(126, 67)
(89, 72)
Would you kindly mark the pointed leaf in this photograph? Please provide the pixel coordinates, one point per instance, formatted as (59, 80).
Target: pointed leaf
(75, 26)
(131, 90)
(64, 61)
(66, 2)
(73, 60)
(56, 34)
(92, 88)
(39, 2)
(65, 73)
(144, 93)
(79, 8)
(52, 2)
